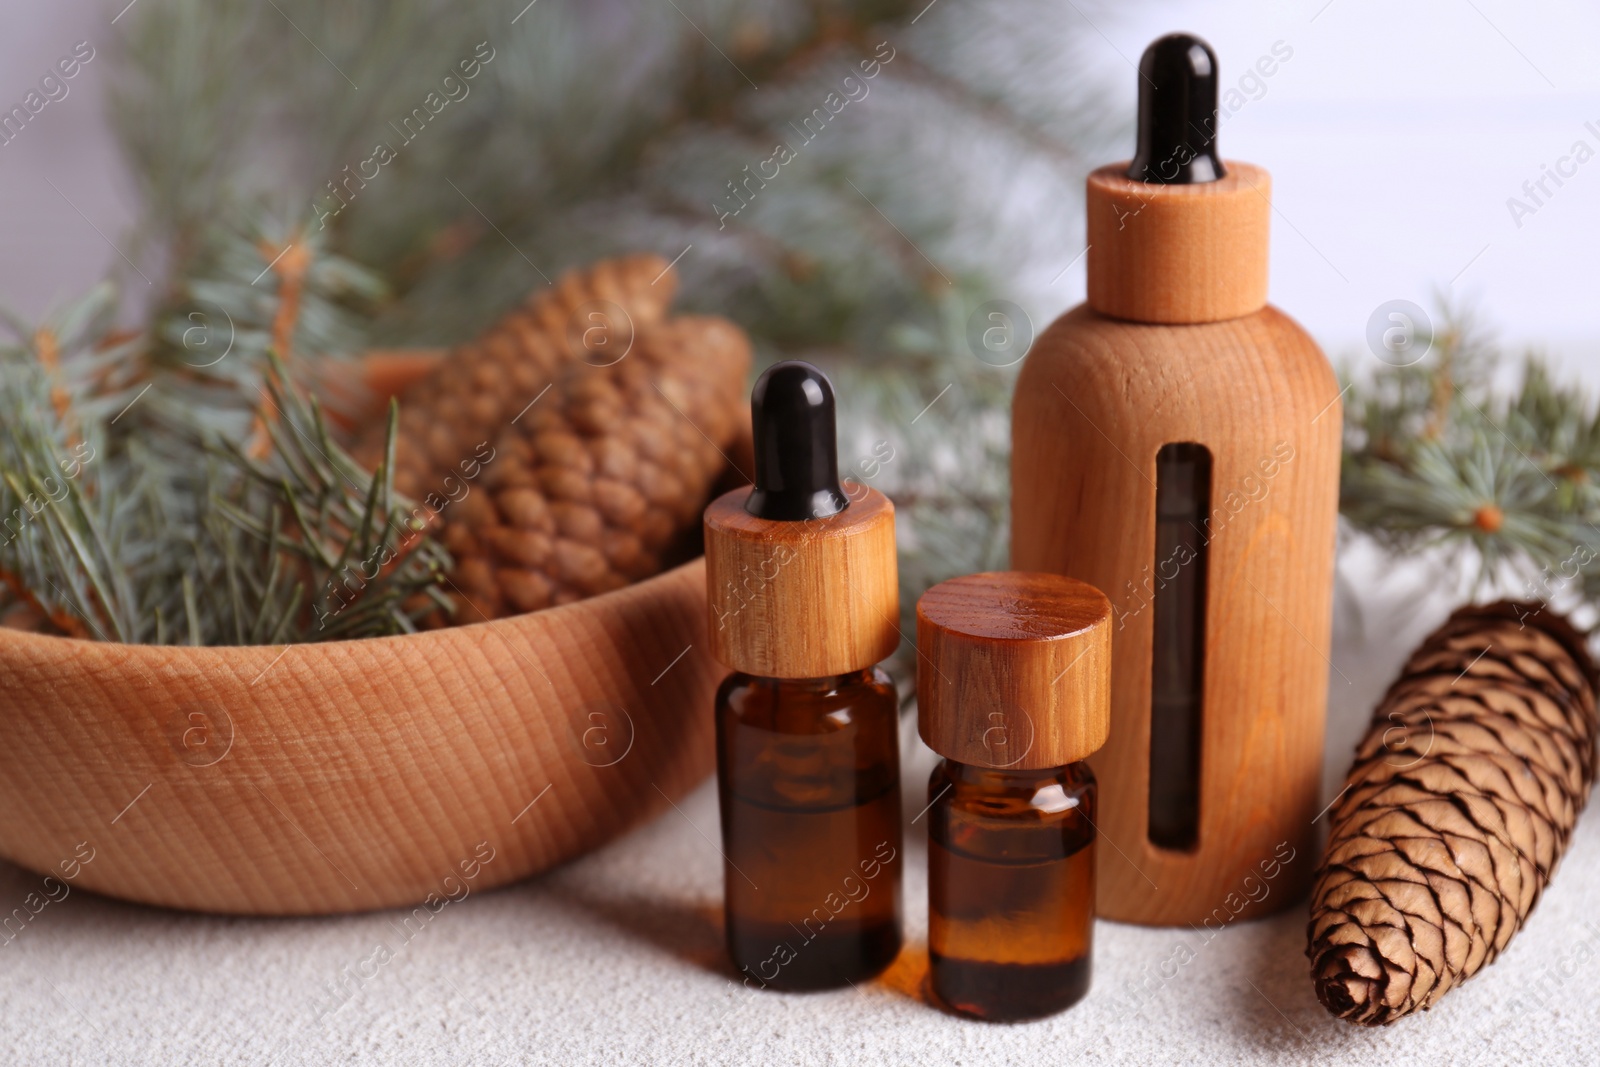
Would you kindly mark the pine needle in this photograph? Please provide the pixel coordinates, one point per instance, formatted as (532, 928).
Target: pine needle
(131, 514)
(1437, 458)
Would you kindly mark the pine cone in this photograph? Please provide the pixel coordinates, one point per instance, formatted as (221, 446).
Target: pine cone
(481, 385)
(1460, 804)
(570, 450)
(602, 482)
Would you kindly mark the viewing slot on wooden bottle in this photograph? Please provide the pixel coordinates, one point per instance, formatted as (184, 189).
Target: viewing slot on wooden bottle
(803, 598)
(1013, 680)
(1177, 662)
(1175, 442)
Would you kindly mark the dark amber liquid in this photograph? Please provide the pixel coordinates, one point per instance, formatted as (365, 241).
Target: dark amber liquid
(1010, 889)
(809, 785)
(1177, 657)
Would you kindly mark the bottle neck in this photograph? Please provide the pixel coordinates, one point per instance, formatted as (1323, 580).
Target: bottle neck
(1178, 254)
(1011, 778)
(1066, 792)
(828, 684)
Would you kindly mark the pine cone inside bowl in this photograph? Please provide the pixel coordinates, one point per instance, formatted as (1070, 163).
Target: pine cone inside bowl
(571, 449)
(482, 384)
(603, 481)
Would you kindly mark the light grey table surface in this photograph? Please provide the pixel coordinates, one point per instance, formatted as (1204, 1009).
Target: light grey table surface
(616, 958)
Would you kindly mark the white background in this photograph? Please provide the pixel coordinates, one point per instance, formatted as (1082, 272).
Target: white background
(1395, 135)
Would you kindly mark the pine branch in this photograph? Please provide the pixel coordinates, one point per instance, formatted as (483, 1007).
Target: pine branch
(113, 530)
(566, 166)
(219, 508)
(934, 435)
(1435, 457)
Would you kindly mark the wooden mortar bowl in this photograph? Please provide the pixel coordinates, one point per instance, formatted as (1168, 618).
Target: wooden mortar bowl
(317, 778)
(334, 777)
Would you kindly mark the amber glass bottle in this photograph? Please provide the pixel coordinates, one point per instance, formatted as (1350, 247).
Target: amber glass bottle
(1013, 690)
(801, 588)
(1010, 888)
(811, 826)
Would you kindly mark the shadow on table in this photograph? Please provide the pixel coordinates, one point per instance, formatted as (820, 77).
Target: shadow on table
(690, 931)
(693, 932)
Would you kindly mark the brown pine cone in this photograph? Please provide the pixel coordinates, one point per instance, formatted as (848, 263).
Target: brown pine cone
(602, 481)
(481, 385)
(1460, 804)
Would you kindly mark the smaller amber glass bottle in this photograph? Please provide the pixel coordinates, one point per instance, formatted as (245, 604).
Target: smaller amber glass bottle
(1013, 689)
(801, 587)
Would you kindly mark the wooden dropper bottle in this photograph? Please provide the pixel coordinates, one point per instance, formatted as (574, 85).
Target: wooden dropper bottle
(1013, 690)
(1176, 444)
(803, 597)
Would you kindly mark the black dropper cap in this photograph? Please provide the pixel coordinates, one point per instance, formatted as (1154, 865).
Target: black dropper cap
(797, 452)
(1177, 113)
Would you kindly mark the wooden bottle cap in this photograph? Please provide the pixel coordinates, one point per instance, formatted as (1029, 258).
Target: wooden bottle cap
(805, 599)
(1014, 669)
(1179, 253)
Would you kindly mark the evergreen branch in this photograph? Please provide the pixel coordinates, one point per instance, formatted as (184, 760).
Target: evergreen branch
(218, 506)
(1436, 459)
(113, 529)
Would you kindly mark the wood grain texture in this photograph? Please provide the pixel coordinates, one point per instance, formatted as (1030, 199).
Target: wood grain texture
(1096, 400)
(1178, 253)
(355, 774)
(1014, 669)
(321, 778)
(807, 599)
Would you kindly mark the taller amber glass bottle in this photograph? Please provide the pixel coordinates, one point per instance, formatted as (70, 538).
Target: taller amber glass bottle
(802, 594)
(1013, 689)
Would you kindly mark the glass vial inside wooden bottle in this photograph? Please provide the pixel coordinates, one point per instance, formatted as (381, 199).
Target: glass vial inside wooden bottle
(1010, 889)
(809, 780)
(1013, 688)
(803, 597)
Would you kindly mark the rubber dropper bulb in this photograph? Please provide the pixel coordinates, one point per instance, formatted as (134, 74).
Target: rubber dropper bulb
(797, 452)
(1177, 113)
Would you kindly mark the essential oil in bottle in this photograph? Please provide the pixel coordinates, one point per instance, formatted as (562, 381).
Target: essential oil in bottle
(1013, 690)
(1176, 442)
(803, 600)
